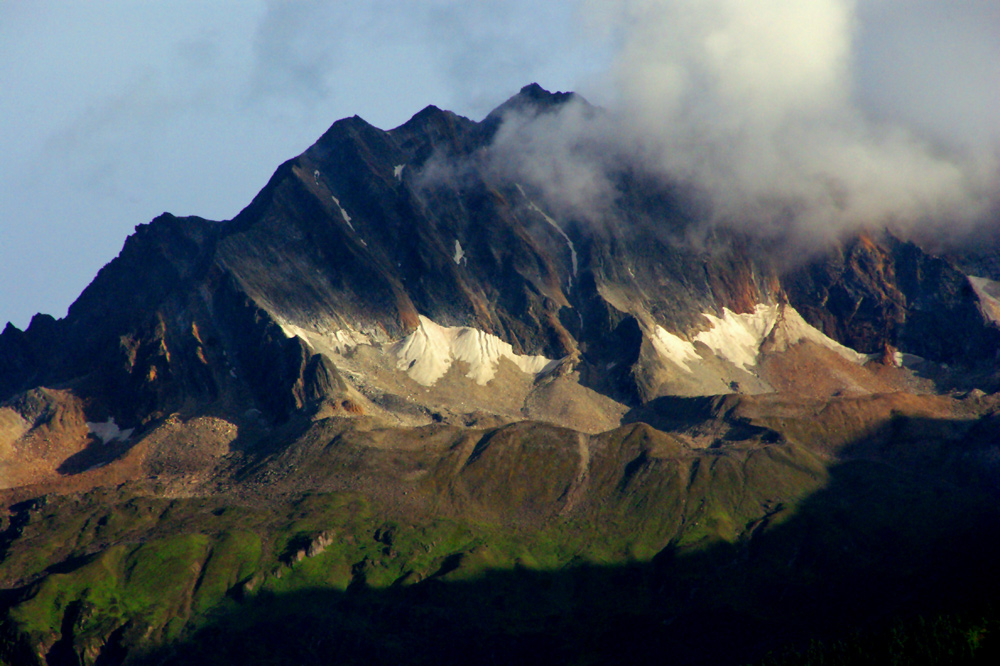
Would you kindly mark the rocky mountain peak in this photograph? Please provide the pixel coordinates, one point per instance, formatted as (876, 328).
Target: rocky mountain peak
(532, 100)
(394, 272)
(538, 97)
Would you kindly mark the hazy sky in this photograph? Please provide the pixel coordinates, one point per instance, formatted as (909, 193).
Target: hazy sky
(112, 112)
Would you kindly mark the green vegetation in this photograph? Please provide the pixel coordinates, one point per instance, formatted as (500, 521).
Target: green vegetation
(715, 555)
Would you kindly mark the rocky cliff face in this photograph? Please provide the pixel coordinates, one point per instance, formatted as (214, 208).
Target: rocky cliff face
(305, 299)
(889, 294)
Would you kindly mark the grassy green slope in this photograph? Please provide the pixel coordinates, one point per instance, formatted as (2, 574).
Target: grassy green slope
(496, 546)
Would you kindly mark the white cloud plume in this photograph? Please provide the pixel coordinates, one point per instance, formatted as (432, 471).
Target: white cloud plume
(756, 103)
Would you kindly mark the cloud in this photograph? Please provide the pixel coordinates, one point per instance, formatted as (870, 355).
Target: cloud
(757, 105)
(568, 154)
(296, 50)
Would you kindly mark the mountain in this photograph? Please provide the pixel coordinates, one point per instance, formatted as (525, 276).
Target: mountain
(404, 378)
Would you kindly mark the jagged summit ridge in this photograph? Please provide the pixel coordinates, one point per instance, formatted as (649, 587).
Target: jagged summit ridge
(397, 273)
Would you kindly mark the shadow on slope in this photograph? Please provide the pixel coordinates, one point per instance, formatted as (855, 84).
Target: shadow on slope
(873, 546)
(877, 543)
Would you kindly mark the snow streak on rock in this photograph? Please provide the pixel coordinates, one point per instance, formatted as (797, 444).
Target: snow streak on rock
(347, 218)
(555, 225)
(428, 353)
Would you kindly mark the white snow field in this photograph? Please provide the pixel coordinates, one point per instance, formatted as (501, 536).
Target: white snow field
(428, 353)
(738, 337)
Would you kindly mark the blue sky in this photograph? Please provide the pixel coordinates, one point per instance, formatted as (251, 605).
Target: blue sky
(112, 112)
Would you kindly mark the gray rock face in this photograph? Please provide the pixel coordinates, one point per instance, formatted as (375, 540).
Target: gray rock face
(888, 293)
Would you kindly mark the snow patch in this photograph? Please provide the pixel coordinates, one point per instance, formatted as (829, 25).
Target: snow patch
(343, 213)
(988, 293)
(738, 337)
(428, 353)
(345, 339)
(674, 348)
(459, 253)
(555, 225)
(397, 171)
(109, 431)
(338, 341)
